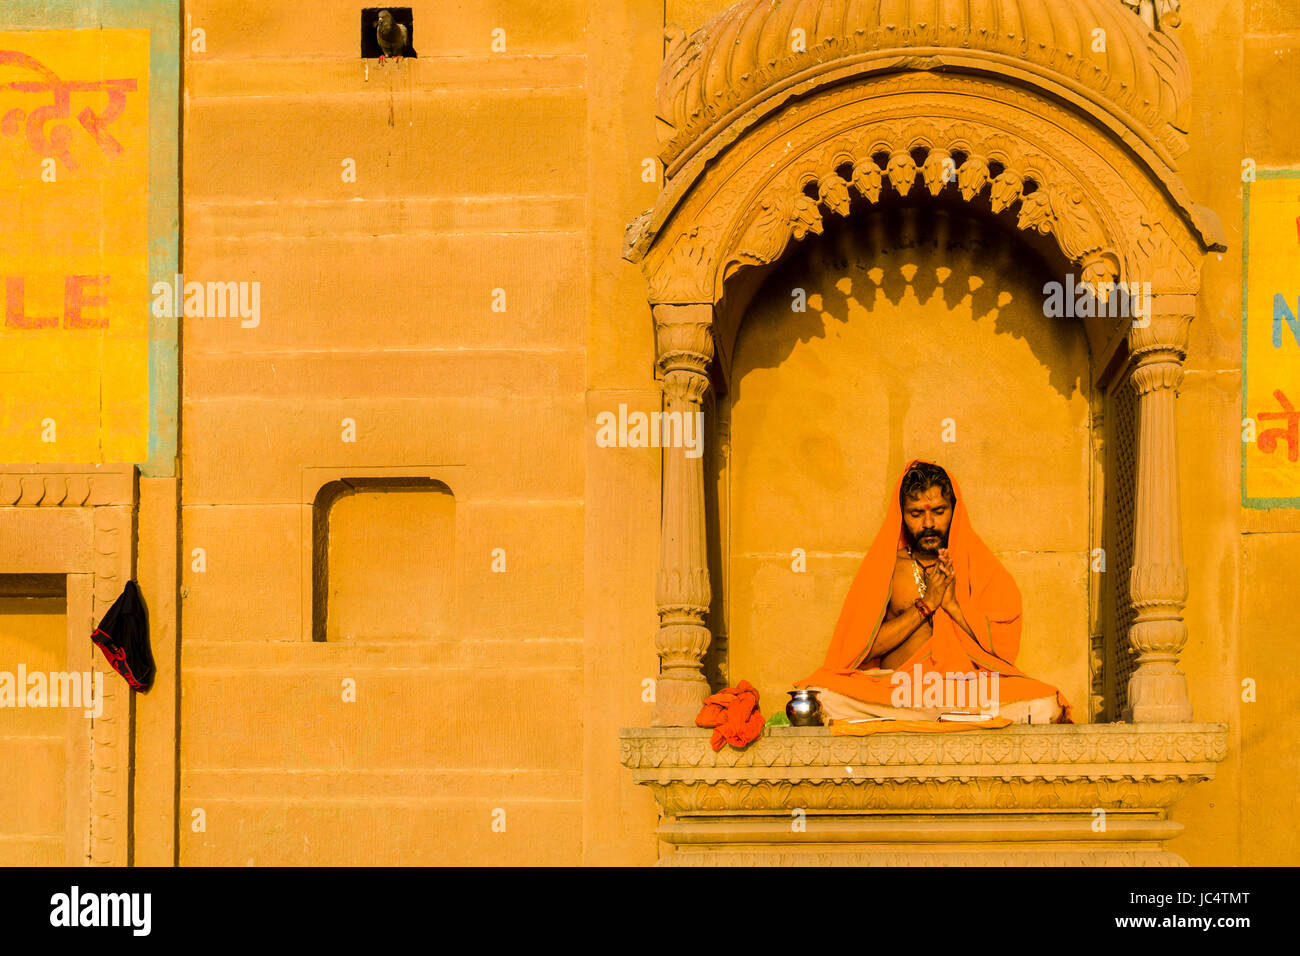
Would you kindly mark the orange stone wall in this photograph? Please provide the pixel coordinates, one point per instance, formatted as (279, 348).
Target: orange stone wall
(518, 170)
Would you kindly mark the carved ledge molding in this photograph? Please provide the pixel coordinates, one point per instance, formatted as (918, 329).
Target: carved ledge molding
(66, 486)
(1021, 795)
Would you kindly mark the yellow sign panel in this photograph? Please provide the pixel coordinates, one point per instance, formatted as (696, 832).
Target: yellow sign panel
(74, 236)
(1271, 342)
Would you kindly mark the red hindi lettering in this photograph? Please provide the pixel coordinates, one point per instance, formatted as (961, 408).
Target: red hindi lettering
(1268, 439)
(57, 141)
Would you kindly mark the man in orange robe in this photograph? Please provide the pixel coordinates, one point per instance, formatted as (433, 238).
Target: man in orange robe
(930, 616)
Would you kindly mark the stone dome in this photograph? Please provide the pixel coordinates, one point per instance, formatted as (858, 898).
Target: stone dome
(750, 52)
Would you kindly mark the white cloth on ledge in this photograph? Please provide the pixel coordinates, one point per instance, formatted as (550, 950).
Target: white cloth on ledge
(836, 706)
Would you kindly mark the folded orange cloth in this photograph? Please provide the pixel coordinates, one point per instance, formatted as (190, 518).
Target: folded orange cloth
(735, 714)
(842, 728)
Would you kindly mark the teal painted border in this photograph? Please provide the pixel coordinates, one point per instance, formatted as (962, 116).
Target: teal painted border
(1246, 501)
(162, 18)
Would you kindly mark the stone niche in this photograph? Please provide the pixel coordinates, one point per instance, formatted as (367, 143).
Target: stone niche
(923, 337)
(1050, 795)
(382, 555)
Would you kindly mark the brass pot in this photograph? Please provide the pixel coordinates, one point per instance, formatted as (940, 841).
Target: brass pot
(804, 709)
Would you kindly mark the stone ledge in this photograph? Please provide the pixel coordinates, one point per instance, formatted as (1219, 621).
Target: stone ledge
(1062, 769)
(1091, 794)
(1072, 746)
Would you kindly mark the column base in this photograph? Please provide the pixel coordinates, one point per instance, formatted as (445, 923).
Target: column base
(678, 702)
(1158, 698)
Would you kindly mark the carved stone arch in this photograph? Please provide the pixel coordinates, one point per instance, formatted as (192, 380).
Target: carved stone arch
(1054, 171)
(760, 147)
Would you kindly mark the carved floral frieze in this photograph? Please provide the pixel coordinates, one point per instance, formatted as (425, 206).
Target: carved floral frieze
(50, 487)
(1061, 210)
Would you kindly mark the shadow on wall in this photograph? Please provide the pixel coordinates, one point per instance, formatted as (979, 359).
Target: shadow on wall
(921, 248)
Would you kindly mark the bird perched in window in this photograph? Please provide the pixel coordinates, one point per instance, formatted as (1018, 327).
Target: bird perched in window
(391, 35)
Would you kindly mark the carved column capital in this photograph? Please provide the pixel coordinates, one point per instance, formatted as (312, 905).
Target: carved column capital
(684, 337)
(1160, 336)
(1157, 375)
(685, 386)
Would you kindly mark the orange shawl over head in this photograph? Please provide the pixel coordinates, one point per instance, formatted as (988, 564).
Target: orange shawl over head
(985, 592)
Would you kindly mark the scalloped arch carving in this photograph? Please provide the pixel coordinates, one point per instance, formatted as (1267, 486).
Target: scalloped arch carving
(1059, 209)
(876, 140)
(1004, 103)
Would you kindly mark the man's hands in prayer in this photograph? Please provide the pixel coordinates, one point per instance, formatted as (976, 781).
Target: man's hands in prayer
(948, 599)
(948, 602)
(938, 582)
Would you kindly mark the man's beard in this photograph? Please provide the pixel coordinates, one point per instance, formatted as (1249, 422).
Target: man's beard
(931, 546)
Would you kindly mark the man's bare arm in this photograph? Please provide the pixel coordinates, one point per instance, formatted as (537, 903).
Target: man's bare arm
(895, 630)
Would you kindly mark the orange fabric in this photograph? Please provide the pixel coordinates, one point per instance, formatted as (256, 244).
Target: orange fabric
(985, 592)
(844, 728)
(735, 714)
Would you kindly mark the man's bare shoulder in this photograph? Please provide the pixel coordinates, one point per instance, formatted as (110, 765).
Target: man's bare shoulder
(897, 582)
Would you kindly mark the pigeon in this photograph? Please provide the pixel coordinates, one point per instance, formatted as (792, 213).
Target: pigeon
(391, 36)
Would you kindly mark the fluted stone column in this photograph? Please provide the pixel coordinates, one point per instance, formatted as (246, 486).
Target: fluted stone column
(1157, 690)
(685, 349)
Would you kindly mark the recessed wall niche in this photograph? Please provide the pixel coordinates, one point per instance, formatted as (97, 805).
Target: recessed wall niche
(369, 39)
(382, 553)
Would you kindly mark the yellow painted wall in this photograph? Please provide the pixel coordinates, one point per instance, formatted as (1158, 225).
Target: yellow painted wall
(74, 335)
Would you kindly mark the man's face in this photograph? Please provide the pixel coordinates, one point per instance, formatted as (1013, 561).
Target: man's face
(926, 519)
